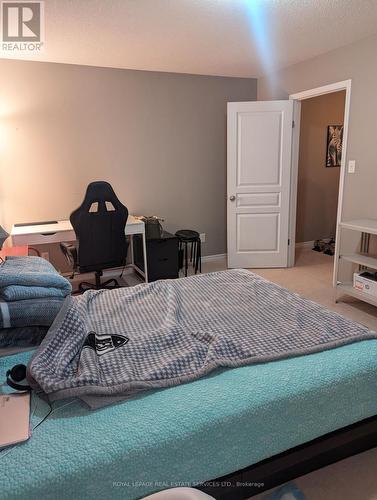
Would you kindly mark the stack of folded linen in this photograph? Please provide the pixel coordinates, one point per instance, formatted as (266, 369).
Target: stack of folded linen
(31, 295)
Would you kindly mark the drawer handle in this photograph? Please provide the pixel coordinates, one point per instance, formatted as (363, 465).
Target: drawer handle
(47, 234)
(163, 260)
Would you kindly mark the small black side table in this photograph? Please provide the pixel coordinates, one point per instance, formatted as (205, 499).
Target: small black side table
(188, 237)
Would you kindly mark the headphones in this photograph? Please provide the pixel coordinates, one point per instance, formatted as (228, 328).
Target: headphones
(16, 375)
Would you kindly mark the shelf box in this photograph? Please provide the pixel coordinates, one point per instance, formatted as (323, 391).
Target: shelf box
(365, 285)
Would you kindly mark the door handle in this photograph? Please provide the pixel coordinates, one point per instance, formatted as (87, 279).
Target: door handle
(232, 198)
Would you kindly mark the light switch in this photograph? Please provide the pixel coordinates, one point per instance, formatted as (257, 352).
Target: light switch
(351, 166)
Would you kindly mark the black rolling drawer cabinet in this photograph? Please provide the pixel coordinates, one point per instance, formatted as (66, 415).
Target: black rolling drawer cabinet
(162, 256)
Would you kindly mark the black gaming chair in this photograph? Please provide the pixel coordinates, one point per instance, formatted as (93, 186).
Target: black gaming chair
(99, 224)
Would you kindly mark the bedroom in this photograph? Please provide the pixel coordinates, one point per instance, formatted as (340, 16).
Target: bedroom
(136, 94)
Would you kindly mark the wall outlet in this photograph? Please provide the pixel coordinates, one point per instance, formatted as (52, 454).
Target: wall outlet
(351, 166)
(45, 255)
(203, 237)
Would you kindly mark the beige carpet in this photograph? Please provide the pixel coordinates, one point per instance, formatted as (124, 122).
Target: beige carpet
(354, 478)
(312, 278)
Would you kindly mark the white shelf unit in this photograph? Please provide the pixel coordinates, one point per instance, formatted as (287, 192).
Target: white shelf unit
(363, 225)
(367, 226)
(361, 259)
(350, 290)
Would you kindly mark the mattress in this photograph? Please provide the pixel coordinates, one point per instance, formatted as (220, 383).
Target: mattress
(190, 433)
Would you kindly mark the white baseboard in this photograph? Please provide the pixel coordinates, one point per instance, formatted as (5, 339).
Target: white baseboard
(209, 258)
(305, 244)
(310, 244)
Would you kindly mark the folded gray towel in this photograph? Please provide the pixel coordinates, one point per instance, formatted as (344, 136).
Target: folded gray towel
(32, 312)
(30, 278)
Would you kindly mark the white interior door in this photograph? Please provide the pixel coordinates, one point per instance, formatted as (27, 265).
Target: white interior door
(259, 176)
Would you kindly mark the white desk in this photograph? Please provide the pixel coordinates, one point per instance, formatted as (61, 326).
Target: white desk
(40, 234)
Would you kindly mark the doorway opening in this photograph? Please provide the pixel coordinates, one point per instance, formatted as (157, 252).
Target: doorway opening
(318, 170)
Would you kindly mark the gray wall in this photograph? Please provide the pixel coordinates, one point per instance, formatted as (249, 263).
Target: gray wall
(318, 186)
(159, 138)
(357, 62)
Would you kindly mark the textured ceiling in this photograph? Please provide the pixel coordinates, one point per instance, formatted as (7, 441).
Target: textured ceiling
(217, 37)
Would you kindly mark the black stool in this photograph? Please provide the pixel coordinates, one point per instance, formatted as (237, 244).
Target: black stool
(186, 237)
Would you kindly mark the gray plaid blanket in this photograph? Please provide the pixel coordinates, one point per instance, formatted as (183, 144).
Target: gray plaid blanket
(107, 345)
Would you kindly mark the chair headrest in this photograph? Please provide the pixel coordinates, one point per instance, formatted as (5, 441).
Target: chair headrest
(100, 192)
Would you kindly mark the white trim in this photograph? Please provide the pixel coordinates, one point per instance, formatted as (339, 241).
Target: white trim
(310, 244)
(294, 181)
(342, 180)
(325, 89)
(305, 244)
(210, 258)
(307, 94)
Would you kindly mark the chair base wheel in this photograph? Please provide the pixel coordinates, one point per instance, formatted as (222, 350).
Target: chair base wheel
(98, 285)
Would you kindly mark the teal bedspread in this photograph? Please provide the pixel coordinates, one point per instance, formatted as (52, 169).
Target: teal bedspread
(193, 432)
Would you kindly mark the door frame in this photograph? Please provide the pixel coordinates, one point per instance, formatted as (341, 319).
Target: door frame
(298, 97)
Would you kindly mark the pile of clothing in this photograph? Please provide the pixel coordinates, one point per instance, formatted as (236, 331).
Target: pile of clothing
(327, 247)
(31, 295)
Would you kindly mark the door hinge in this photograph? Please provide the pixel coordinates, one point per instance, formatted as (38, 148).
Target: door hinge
(289, 241)
(293, 124)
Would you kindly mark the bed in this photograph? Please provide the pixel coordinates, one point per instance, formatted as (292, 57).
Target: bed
(241, 424)
(191, 433)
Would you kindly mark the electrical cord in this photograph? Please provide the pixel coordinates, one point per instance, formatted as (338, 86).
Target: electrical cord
(37, 252)
(44, 418)
(51, 411)
(121, 274)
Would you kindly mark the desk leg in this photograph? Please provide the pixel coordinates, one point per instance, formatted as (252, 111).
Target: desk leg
(132, 250)
(145, 258)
